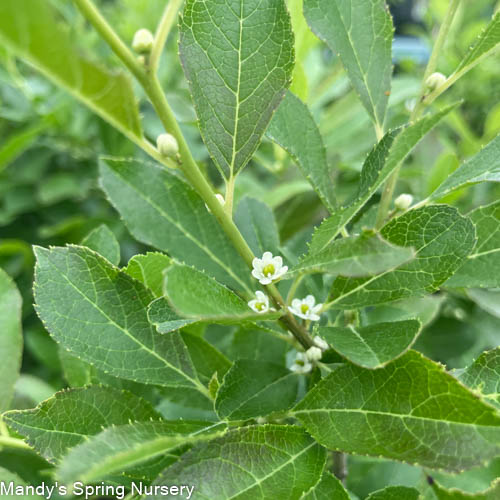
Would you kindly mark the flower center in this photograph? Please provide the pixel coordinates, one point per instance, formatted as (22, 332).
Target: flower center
(260, 306)
(268, 270)
(299, 362)
(304, 308)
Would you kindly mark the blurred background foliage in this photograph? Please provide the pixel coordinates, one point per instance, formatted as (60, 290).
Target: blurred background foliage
(49, 192)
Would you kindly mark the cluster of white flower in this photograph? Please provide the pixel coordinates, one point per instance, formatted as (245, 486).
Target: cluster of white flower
(304, 361)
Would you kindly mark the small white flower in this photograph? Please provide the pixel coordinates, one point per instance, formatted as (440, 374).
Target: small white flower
(306, 308)
(322, 344)
(314, 353)
(268, 269)
(167, 145)
(301, 364)
(260, 304)
(143, 41)
(435, 80)
(403, 201)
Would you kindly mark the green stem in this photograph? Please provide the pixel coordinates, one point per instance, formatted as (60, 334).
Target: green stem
(340, 465)
(293, 288)
(10, 442)
(161, 35)
(390, 185)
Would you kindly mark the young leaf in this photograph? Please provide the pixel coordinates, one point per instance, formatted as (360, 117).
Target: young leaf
(484, 376)
(328, 488)
(257, 224)
(440, 425)
(362, 255)
(178, 222)
(238, 59)
(104, 242)
(11, 338)
(69, 417)
(372, 346)
(385, 157)
(294, 129)
(361, 33)
(395, 493)
(442, 239)
(252, 389)
(119, 448)
(258, 462)
(477, 269)
(99, 313)
(149, 269)
(24, 28)
(484, 166)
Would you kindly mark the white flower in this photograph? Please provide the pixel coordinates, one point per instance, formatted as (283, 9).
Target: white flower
(143, 41)
(167, 145)
(314, 353)
(435, 80)
(306, 308)
(301, 364)
(403, 201)
(322, 344)
(268, 269)
(260, 304)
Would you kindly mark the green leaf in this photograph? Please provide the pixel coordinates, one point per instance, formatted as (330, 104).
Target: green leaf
(99, 314)
(24, 29)
(149, 269)
(361, 33)
(11, 338)
(250, 343)
(104, 242)
(258, 462)
(165, 319)
(410, 411)
(10, 480)
(442, 493)
(395, 493)
(481, 267)
(372, 346)
(178, 222)
(252, 389)
(442, 239)
(238, 59)
(257, 224)
(483, 376)
(119, 448)
(69, 417)
(294, 129)
(385, 157)
(329, 488)
(482, 167)
(362, 255)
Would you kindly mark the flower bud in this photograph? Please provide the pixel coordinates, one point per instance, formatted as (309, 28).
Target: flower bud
(314, 353)
(143, 41)
(403, 201)
(435, 80)
(167, 145)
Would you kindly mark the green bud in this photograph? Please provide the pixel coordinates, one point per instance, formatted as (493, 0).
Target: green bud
(435, 80)
(167, 145)
(143, 41)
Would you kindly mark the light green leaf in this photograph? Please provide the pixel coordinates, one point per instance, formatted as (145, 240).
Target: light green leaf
(362, 255)
(442, 239)
(483, 376)
(252, 389)
(11, 338)
(481, 267)
(99, 314)
(119, 448)
(178, 222)
(69, 417)
(238, 59)
(487, 300)
(482, 167)
(442, 493)
(257, 462)
(329, 488)
(149, 269)
(360, 32)
(294, 129)
(440, 425)
(23, 28)
(385, 157)
(395, 493)
(10, 480)
(165, 319)
(257, 224)
(372, 346)
(104, 242)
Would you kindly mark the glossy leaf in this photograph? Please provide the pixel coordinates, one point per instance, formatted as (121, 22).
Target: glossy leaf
(104, 242)
(238, 59)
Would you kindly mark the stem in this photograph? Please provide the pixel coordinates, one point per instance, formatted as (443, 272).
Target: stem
(293, 288)
(229, 196)
(340, 465)
(390, 185)
(190, 169)
(11, 442)
(161, 35)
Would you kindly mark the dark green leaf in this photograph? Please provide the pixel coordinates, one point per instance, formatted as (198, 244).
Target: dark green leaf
(329, 488)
